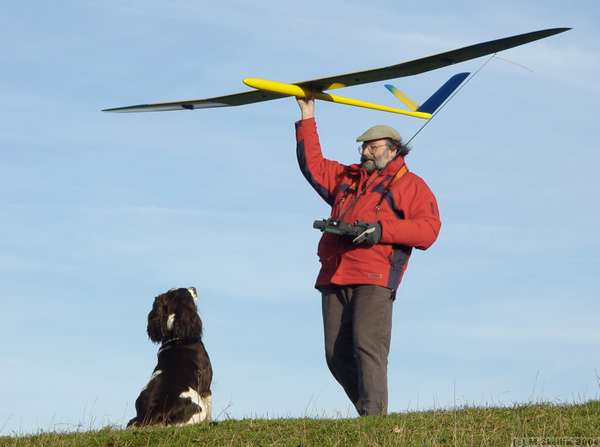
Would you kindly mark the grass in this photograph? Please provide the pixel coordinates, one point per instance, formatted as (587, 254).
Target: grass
(467, 426)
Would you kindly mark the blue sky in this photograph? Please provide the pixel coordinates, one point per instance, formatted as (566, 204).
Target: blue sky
(102, 212)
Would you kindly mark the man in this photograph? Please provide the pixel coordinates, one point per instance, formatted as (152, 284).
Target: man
(387, 211)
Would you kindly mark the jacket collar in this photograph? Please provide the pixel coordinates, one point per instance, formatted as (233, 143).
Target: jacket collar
(393, 166)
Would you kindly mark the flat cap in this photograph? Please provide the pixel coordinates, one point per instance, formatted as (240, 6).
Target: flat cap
(378, 132)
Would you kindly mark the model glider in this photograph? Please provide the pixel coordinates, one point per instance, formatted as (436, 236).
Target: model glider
(266, 90)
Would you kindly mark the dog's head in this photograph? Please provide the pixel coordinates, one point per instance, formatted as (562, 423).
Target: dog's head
(174, 315)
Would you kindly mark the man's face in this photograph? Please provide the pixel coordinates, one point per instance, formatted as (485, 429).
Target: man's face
(376, 154)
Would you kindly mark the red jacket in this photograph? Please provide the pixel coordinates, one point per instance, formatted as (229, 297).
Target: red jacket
(404, 206)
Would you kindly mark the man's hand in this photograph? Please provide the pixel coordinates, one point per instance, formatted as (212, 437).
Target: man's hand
(371, 235)
(307, 107)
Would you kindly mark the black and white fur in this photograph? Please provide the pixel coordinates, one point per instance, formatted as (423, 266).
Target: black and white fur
(178, 392)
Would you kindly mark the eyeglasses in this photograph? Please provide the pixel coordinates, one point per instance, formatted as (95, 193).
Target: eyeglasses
(370, 147)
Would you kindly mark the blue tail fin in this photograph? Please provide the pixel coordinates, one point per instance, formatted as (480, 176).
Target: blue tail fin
(442, 93)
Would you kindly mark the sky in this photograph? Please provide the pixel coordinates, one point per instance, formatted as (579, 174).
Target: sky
(102, 212)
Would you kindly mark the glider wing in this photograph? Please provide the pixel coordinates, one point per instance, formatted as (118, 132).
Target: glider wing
(429, 63)
(236, 99)
(361, 77)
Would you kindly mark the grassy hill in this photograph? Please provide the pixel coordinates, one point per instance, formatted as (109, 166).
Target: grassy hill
(468, 426)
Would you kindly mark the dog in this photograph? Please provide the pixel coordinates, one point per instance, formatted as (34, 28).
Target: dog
(178, 392)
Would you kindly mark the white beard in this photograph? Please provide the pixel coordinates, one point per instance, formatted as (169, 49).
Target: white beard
(372, 165)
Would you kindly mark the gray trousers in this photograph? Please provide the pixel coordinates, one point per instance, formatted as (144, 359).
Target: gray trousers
(357, 323)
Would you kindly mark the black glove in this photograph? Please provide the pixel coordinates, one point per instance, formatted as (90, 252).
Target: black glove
(370, 235)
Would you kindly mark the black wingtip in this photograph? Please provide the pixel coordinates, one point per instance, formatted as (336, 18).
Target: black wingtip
(558, 30)
(114, 109)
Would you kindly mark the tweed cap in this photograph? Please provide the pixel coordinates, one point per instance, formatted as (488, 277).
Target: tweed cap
(378, 132)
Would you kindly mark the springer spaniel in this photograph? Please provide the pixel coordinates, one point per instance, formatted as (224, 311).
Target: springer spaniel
(178, 392)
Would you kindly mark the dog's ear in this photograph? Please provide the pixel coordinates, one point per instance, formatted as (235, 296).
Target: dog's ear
(154, 328)
(188, 325)
(187, 321)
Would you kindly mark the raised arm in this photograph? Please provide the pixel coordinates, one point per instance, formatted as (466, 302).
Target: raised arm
(322, 174)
